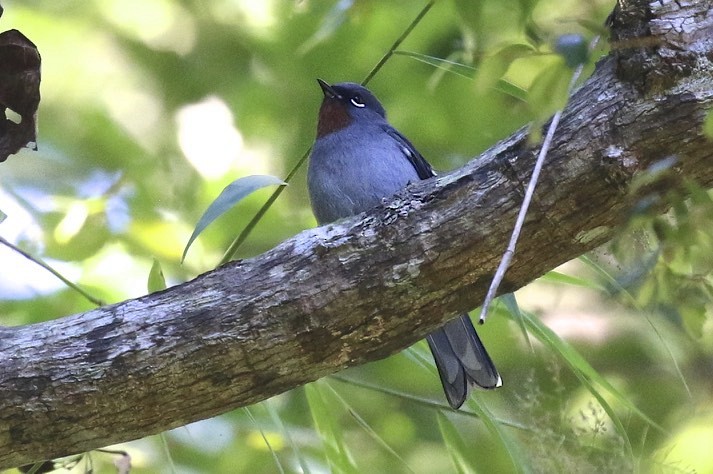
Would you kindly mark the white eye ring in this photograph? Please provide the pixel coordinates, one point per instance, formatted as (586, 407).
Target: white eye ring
(356, 101)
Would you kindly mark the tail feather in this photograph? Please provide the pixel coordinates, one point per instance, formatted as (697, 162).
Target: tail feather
(462, 360)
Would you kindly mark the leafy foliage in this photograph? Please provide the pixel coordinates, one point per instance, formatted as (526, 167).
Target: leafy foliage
(229, 197)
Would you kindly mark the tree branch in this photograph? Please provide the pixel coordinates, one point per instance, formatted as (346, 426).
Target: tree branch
(259, 327)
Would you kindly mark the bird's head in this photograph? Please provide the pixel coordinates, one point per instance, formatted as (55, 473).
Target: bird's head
(344, 104)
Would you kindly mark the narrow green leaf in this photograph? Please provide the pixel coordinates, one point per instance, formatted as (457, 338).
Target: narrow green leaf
(264, 438)
(477, 407)
(231, 195)
(368, 429)
(595, 27)
(549, 91)
(557, 277)
(156, 282)
(708, 125)
(466, 71)
(335, 17)
(167, 452)
(323, 414)
(277, 419)
(245, 233)
(3, 216)
(587, 375)
(460, 454)
(514, 91)
(470, 12)
(622, 291)
(35, 467)
(513, 308)
(425, 402)
(451, 66)
(694, 319)
(493, 67)
(519, 462)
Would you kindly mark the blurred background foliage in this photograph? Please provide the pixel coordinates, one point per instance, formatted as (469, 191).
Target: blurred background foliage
(150, 108)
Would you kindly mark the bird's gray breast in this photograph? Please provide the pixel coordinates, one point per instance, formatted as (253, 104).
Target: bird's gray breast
(351, 171)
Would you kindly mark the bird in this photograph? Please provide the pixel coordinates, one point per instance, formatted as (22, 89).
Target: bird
(357, 160)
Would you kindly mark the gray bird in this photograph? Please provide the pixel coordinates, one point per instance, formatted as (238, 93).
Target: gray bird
(357, 160)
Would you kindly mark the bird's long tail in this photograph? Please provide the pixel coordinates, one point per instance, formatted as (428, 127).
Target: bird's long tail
(462, 360)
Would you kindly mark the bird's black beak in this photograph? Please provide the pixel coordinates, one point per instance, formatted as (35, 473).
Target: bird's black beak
(328, 90)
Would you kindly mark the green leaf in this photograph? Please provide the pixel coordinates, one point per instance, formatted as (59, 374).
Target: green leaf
(3, 216)
(332, 21)
(708, 125)
(596, 27)
(323, 413)
(231, 195)
(277, 419)
(245, 233)
(278, 464)
(463, 70)
(368, 429)
(167, 452)
(549, 91)
(511, 89)
(622, 291)
(77, 234)
(470, 12)
(513, 308)
(589, 377)
(36, 467)
(519, 462)
(694, 319)
(157, 281)
(475, 406)
(526, 9)
(451, 66)
(493, 67)
(561, 278)
(413, 354)
(461, 455)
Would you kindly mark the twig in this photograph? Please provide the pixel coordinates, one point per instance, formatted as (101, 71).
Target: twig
(398, 42)
(54, 272)
(507, 256)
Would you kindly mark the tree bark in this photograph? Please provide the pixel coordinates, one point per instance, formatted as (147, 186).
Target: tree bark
(362, 289)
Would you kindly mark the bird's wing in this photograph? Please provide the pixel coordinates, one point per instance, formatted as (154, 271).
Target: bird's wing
(423, 168)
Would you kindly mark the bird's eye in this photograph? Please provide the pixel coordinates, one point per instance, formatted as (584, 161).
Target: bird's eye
(357, 101)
